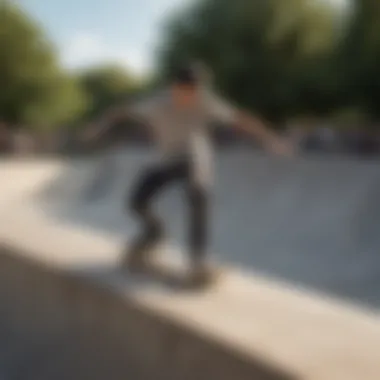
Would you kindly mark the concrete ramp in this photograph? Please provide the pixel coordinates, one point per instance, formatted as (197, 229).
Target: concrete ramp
(299, 236)
(311, 221)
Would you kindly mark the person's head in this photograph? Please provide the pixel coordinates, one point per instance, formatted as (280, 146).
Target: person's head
(185, 85)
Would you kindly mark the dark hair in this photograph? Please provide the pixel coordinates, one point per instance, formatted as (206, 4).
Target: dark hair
(187, 75)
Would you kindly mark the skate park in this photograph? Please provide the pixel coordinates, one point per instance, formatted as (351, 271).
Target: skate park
(295, 236)
(298, 237)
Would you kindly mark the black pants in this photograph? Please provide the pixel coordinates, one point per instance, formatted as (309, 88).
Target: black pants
(150, 185)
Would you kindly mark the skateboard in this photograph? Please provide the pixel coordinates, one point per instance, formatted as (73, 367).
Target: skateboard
(169, 271)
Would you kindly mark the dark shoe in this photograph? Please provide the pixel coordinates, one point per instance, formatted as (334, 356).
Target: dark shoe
(138, 254)
(202, 274)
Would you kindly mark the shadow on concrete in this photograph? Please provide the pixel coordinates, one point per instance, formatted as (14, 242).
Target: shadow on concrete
(312, 221)
(76, 324)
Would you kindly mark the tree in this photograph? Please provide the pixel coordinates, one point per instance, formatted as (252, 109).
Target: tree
(265, 54)
(106, 85)
(360, 58)
(34, 89)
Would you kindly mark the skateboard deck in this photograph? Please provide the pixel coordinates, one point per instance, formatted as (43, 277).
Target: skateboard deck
(170, 270)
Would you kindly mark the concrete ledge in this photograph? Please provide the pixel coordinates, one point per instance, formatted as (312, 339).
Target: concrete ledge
(43, 301)
(59, 282)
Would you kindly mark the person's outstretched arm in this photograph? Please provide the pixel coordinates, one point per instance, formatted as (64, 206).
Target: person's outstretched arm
(142, 111)
(102, 125)
(249, 124)
(268, 138)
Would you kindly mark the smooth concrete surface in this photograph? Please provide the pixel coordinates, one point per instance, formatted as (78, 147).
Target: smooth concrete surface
(55, 296)
(246, 327)
(58, 346)
(312, 222)
(60, 276)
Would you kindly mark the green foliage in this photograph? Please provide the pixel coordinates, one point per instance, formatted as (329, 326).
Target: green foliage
(107, 85)
(281, 58)
(361, 57)
(284, 58)
(34, 89)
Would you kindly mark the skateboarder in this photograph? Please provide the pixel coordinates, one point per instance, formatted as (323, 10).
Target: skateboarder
(178, 119)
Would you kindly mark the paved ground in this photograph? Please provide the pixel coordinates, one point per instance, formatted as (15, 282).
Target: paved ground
(313, 222)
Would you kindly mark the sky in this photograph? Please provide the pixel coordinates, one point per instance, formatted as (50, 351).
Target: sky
(88, 32)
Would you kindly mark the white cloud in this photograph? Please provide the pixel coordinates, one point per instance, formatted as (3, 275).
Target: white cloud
(86, 49)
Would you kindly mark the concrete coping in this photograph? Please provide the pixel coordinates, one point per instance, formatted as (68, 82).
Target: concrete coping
(304, 335)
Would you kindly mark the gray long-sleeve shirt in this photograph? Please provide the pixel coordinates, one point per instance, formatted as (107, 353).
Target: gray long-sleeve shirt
(179, 132)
